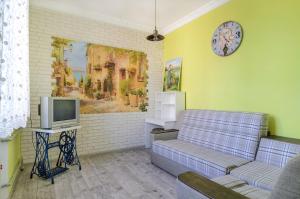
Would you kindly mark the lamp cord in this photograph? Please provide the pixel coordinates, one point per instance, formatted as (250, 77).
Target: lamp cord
(155, 13)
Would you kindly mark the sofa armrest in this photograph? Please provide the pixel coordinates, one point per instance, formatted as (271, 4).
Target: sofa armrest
(207, 188)
(168, 134)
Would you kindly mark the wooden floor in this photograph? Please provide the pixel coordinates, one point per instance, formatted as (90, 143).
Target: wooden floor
(126, 175)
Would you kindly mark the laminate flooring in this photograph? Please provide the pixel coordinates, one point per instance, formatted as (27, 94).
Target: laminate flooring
(117, 175)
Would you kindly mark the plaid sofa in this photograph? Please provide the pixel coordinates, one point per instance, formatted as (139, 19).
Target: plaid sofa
(256, 179)
(287, 185)
(211, 143)
(271, 156)
(247, 192)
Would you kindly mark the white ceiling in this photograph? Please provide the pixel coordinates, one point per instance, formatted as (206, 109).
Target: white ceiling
(137, 14)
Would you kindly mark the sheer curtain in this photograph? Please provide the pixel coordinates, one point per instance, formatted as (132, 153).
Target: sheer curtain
(14, 65)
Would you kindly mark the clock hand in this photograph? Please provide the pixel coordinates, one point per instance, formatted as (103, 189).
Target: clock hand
(227, 41)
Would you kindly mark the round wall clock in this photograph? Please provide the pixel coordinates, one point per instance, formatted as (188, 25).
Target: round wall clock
(227, 38)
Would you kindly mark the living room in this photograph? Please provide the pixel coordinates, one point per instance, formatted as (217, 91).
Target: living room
(149, 99)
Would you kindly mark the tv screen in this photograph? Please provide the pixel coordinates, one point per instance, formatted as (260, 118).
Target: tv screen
(64, 110)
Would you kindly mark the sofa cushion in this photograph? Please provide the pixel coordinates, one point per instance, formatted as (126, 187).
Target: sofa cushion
(242, 187)
(203, 160)
(258, 174)
(235, 133)
(229, 181)
(275, 152)
(252, 192)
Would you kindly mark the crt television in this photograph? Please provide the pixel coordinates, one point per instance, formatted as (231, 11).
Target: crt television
(58, 112)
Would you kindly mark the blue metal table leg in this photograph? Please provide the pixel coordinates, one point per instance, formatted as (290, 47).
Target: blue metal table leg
(75, 149)
(69, 149)
(41, 166)
(35, 159)
(68, 154)
(49, 173)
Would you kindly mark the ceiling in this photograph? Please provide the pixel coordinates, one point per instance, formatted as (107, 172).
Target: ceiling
(136, 14)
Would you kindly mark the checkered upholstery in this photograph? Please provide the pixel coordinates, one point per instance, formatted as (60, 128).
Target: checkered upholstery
(258, 174)
(242, 187)
(276, 153)
(252, 192)
(229, 181)
(205, 161)
(271, 156)
(235, 133)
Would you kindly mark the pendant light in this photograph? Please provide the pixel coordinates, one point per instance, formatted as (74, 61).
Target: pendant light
(155, 36)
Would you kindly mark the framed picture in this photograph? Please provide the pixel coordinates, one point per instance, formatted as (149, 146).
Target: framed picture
(172, 75)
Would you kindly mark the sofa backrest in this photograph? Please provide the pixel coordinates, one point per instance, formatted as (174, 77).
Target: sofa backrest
(276, 152)
(236, 133)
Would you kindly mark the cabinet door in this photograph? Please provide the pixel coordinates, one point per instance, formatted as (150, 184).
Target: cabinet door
(169, 98)
(168, 112)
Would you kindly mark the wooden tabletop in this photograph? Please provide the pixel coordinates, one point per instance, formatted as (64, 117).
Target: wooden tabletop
(56, 130)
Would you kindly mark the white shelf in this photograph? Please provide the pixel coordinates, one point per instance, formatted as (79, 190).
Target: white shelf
(155, 121)
(168, 105)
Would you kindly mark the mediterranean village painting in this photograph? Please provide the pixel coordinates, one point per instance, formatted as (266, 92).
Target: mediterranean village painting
(105, 79)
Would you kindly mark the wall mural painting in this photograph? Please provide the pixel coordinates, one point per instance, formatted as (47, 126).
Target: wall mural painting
(106, 79)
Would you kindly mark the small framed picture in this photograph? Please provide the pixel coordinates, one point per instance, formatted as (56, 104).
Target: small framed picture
(172, 75)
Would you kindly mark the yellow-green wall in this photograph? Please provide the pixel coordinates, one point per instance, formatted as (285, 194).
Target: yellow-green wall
(262, 75)
(14, 156)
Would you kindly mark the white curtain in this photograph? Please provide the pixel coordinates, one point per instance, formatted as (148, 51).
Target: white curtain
(14, 65)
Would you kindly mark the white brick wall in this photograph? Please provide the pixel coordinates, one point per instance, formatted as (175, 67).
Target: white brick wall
(100, 132)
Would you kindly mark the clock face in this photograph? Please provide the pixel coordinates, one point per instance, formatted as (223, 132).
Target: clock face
(227, 38)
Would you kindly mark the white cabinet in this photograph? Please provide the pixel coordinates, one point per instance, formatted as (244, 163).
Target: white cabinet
(168, 105)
